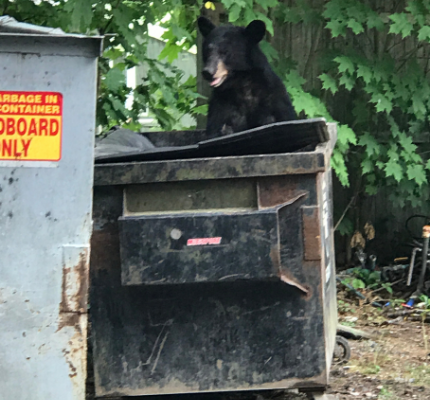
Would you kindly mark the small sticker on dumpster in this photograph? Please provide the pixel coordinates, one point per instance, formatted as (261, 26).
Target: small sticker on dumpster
(203, 241)
(30, 126)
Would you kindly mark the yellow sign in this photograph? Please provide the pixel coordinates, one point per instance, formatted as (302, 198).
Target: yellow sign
(30, 126)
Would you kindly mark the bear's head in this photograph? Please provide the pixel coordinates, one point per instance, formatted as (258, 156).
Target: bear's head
(228, 49)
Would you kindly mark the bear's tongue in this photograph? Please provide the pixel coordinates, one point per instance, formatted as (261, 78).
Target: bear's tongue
(216, 81)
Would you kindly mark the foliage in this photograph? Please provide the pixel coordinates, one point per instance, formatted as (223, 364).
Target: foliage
(426, 301)
(366, 279)
(344, 307)
(163, 92)
(376, 65)
(386, 87)
(388, 90)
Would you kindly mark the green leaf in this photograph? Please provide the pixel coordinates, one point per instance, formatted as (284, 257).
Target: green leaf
(228, 3)
(358, 284)
(292, 14)
(363, 71)
(367, 166)
(266, 20)
(345, 64)
(406, 143)
(387, 287)
(113, 53)
(248, 15)
(375, 21)
(114, 79)
(394, 169)
(428, 164)
(382, 103)
(266, 4)
(360, 111)
(329, 83)
(338, 28)
(81, 14)
(269, 51)
(424, 33)
(400, 24)
(203, 109)
(171, 51)
(234, 12)
(346, 227)
(372, 147)
(347, 81)
(371, 178)
(375, 276)
(371, 190)
(338, 163)
(418, 105)
(416, 172)
(346, 135)
(355, 26)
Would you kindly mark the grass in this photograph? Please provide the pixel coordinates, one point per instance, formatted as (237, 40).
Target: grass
(420, 374)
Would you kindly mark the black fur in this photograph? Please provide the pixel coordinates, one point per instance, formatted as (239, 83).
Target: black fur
(252, 94)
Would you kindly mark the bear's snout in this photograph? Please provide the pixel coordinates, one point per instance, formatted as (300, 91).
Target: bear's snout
(216, 76)
(207, 74)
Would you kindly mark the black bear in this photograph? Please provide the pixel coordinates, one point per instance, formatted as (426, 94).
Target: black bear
(246, 91)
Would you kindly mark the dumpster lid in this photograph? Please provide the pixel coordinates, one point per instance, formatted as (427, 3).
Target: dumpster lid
(11, 25)
(122, 145)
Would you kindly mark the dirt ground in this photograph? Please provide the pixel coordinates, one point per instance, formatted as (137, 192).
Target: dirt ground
(394, 365)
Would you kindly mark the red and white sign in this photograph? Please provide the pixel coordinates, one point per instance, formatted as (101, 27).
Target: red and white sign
(203, 241)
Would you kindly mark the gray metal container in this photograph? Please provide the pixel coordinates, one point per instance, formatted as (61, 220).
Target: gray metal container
(45, 209)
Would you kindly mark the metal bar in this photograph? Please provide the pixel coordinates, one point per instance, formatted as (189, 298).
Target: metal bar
(209, 168)
(426, 237)
(411, 265)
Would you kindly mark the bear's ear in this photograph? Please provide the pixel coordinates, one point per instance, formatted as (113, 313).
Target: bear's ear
(205, 26)
(256, 30)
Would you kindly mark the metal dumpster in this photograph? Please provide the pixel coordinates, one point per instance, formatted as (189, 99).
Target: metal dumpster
(213, 274)
(47, 114)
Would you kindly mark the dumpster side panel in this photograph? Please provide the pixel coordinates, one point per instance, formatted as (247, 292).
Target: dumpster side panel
(328, 269)
(45, 227)
(201, 337)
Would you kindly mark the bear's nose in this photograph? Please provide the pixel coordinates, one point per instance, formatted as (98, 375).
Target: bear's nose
(207, 75)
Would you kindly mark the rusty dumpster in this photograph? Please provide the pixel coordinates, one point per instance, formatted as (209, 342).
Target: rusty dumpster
(47, 113)
(214, 273)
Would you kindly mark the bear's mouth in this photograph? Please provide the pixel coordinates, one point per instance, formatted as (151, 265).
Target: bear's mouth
(220, 75)
(218, 81)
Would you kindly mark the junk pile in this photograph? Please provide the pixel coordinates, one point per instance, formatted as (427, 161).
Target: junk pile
(405, 283)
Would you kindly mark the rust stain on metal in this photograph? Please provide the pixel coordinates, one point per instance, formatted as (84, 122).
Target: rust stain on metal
(277, 190)
(73, 314)
(74, 292)
(75, 356)
(275, 256)
(311, 233)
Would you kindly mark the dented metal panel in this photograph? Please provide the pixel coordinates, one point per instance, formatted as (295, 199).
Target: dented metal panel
(45, 226)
